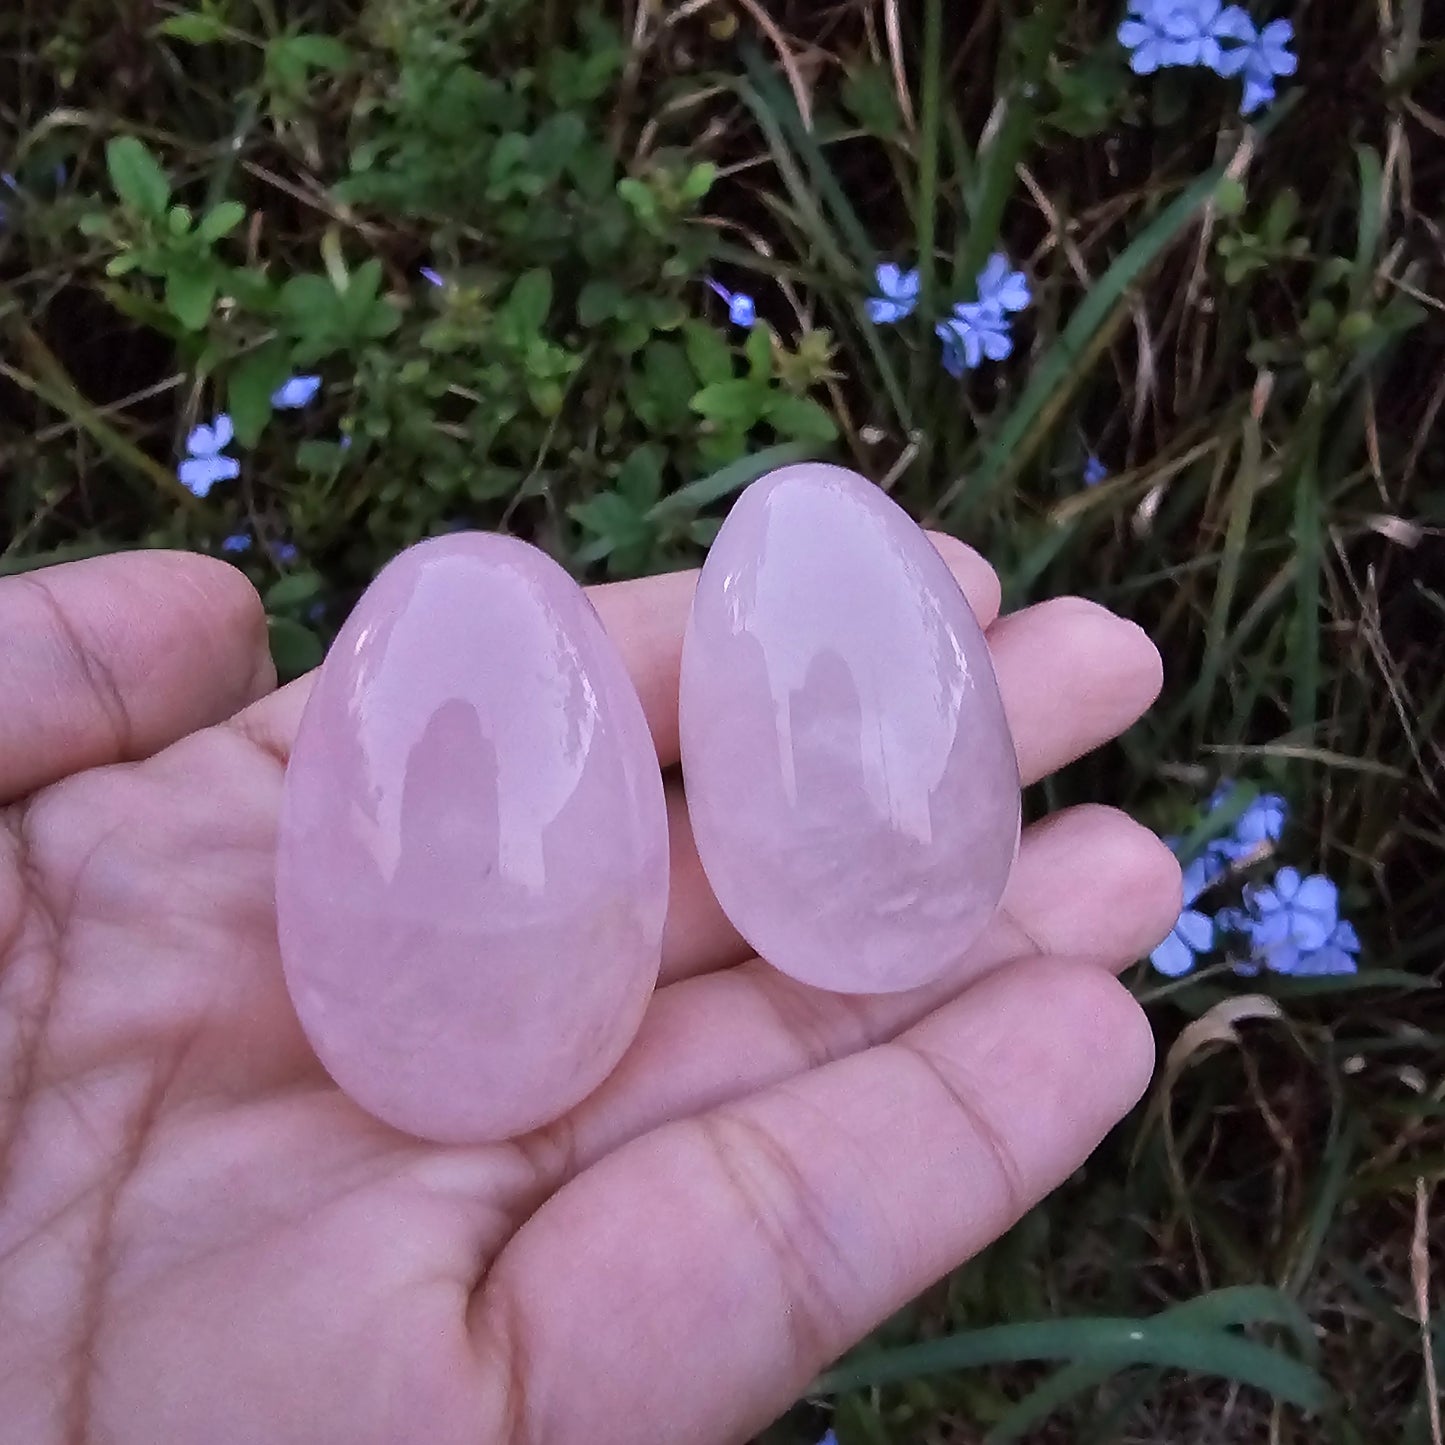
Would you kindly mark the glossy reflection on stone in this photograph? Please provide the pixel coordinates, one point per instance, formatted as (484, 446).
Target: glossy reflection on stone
(472, 862)
(850, 776)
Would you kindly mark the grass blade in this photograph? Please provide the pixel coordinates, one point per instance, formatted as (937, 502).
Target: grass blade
(1061, 366)
(1305, 634)
(694, 496)
(1220, 1309)
(1117, 1343)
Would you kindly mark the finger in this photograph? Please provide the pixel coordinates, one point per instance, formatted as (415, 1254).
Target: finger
(1089, 883)
(1072, 675)
(646, 620)
(113, 658)
(742, 1251)
(698, 936)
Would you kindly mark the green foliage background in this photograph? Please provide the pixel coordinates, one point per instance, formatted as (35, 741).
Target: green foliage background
(1244, 322)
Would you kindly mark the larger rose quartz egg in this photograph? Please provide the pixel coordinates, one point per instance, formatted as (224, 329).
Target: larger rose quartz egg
(850, 776)
(472, 862)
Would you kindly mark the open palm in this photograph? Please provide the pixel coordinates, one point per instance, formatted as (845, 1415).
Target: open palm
(202, 1240)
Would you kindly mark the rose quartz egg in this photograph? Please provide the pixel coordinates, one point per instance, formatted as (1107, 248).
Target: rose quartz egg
(472, 863)
(850, 777)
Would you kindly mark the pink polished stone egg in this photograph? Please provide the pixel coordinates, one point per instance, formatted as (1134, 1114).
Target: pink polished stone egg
(850, 776)
(472, 864)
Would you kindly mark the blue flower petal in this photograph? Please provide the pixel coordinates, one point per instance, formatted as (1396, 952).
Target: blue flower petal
(299, 391)
(1231, 62)
(1234, 23)
(202, 442)
(199, 474)
(1196, 929)
(1272, 929)
(1281, 957)
(1345, 937)
(1257, 94)
(1197, 877)
(993, 275)
(1173, 957)
(997, 345)
(1147, 58)
(1324, 962)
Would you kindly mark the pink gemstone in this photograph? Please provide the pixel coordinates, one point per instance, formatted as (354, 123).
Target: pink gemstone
(472, 868)
(851, 780)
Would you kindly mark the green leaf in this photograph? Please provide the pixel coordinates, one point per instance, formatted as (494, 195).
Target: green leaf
(193, 27)
(640, 477)
(137, 177)
(758, 349)
(190, 295)
(221, 220)
(708, 352)
(734, 403)
(698, 181)
(801, 418)
(293, 590)
(662, 390)
(600, 301)
(250, 388)
(868, 92)
(639, 197)
(525, 309)
(1230, 198)
(294, 649)
(318, 52)
(309, 302)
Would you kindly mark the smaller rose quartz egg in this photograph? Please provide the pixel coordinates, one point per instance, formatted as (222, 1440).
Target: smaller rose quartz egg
(851, 780)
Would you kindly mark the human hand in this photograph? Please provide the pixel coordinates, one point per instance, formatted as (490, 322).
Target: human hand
(202, 1240)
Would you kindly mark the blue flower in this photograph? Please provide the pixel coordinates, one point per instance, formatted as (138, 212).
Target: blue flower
(1001, 287)
(898, 294)
(296, 393)
(433, 277)
(1264, 55)
(973, 332)
(1094, 471)
(829, 1439)
(742, 311)
(1193, 931)
(1292, 917)
(1259, 825)
(1162, 33)
(286, 553)
(207, 462)
(237, 542)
